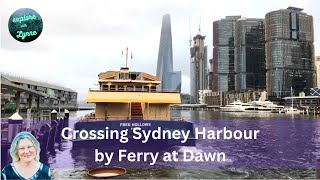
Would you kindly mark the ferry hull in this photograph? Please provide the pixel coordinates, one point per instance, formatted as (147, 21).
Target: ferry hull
(145, 125)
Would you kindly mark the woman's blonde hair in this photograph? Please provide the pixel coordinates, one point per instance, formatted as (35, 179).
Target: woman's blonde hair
(14, 145)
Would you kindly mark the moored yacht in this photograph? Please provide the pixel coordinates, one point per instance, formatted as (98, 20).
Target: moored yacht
(292, 110)
(238, 106)
(266, 106)
(253, 106)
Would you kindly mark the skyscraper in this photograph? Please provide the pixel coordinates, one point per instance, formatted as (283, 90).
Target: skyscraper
(317, 63)
(198, 68)
(169, 80)
(289, 52)
(250, 63)
(223, 54)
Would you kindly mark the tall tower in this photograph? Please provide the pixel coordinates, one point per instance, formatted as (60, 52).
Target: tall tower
(198, 68)
(289, 48)
(170, 80)
(223, 54)
(250, 63)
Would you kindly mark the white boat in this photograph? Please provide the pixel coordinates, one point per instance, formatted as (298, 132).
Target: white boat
(266, 106)
(253, 106)
(238, 106)
(292, 110)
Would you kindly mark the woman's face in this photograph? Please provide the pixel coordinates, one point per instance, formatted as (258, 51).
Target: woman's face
(26, 150)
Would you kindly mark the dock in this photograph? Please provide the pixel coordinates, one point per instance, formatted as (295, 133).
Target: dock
(195, 107)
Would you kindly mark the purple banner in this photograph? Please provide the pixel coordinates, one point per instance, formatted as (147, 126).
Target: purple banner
(196, 144)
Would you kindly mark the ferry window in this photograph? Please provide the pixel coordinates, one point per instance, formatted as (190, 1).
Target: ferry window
(112, 88)
(129, 88)
(120, 88)
(146, 88)
(104, 87)
(138, 88)
(133, 76)
(153, 88)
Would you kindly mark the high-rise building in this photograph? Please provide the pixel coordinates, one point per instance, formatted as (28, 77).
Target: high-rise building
(223, 54)
(289, 47)
(317, 63)
(170, 80)
(198, 68)
(250, 63)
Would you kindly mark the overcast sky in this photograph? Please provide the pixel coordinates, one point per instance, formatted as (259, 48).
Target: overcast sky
(80, 38)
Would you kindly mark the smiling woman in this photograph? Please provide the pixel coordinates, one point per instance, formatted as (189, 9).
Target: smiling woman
(25, 150)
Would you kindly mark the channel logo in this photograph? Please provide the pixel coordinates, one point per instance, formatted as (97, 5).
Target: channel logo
(25, 25)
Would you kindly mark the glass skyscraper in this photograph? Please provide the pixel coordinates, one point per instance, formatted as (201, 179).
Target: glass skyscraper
(289, 52)
(249, 52)
(223, 54)
(170, 80)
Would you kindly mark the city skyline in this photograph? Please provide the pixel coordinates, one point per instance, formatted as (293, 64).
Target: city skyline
(87, 38)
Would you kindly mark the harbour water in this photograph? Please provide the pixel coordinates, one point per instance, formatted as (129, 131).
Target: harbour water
(78, 160)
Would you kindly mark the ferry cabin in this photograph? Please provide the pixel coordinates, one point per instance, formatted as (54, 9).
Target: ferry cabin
(125, 95)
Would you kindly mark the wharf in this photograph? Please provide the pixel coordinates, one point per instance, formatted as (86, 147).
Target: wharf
(195, 107)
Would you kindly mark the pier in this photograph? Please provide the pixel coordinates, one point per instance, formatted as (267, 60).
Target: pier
(195, 107)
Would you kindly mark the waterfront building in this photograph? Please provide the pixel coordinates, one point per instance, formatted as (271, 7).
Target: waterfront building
(303, 101)
(224, 98)
(170, 80)
(249, 54)
(60, 96)
(289, 37)
(317, 64)
(198, 68)
(222, 64)
(202, 95)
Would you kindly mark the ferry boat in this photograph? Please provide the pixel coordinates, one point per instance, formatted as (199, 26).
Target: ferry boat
(126, 100)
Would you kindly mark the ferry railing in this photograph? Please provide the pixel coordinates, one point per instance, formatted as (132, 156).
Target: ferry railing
(103, 118)
(113, 118)
(133, 90)
(62, 106)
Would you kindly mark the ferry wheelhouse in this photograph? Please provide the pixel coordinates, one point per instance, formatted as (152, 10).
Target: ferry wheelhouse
(125, 95)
